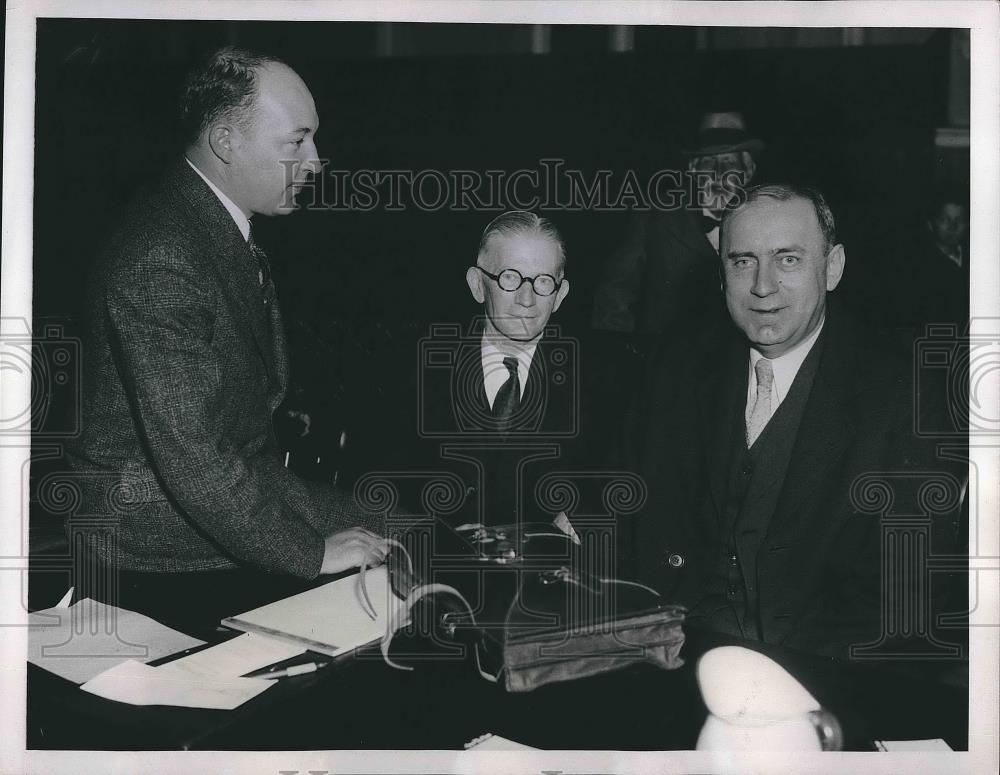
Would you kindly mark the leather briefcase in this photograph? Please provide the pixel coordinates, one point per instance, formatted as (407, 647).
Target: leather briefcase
(522, 598)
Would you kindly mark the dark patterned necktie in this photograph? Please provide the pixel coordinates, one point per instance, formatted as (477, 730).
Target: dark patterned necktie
(508, 397)
(263, 269)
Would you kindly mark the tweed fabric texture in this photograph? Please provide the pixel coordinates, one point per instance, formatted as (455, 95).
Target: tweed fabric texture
(184, 366)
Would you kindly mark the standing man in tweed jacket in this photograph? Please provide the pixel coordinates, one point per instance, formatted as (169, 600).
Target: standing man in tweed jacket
(187, 358)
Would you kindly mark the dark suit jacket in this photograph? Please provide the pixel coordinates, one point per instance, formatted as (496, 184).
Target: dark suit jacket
(438, 423)
(928, 287)
(818, 566)
(665, 271)
(184, 366)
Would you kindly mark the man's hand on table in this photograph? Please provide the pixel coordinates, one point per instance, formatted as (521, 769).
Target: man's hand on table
(352, 548)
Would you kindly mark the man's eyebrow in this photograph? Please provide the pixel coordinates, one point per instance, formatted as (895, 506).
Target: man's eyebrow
(789, 249)
(741, 254)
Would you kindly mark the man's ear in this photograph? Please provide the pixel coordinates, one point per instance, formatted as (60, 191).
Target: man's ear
(474, 279)
(561, 294)
(835, 261)
(750, 165)
(220, 140)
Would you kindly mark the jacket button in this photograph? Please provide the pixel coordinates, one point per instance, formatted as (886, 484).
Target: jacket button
(732, 560)
(675, 560)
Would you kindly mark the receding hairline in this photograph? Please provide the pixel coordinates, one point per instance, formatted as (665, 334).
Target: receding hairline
(781, 193)
(489, 243)
(282, 77)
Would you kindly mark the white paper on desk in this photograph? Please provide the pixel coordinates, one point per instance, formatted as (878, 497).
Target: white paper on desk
(934, 744)
(329, 619)
(79, 642)
(138, 684)
(491, 742)
(237, 656)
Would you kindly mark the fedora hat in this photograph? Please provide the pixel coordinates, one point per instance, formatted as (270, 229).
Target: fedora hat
(723, 132)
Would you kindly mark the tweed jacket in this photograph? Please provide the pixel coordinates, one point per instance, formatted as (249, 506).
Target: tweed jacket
(856, 466)
(184, 366)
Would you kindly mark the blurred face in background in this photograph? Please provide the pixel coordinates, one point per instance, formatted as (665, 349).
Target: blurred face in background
(720, 177)
(950, 226)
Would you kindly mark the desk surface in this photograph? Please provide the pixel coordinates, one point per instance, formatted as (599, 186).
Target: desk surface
(360, 703)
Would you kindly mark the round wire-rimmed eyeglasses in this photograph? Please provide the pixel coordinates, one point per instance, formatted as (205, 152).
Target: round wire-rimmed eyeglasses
(510, 280)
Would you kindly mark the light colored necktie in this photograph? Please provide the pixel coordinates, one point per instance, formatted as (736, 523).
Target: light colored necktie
(758, 416)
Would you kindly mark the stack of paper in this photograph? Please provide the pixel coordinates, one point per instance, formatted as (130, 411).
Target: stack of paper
(934, 744)
(139, 684)
(491, 742)
(83, 640)
(329, 619)
(105, 648)
(209, 678)
(234, 658)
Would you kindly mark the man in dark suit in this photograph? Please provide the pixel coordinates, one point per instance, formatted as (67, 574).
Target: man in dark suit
(931, 272)
(666, 269)
(186, 358)
(495, 400)
(762, 447)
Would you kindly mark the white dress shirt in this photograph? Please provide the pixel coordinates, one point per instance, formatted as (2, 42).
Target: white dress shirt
(242, 222)
(785, 367)
(495, 373)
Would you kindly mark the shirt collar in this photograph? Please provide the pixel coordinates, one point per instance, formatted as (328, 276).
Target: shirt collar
(495, 374)
(955, 256)
(786, 366)
(242, 222)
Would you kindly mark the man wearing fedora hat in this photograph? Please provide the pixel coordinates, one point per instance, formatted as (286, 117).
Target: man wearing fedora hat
(666, 270)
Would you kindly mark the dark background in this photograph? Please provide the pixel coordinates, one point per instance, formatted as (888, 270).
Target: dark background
(858, 121)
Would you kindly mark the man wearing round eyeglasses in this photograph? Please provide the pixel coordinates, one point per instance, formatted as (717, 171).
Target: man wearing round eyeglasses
(509, 394)
(518, 278)
(497, 396)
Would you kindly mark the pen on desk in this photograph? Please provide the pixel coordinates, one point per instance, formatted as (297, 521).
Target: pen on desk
(288, 672)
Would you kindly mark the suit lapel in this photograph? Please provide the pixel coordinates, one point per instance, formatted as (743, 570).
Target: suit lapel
(469, 386)
(824, 434)
(231, 257)
(279, 352)
(722, 400)
(686, 229)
